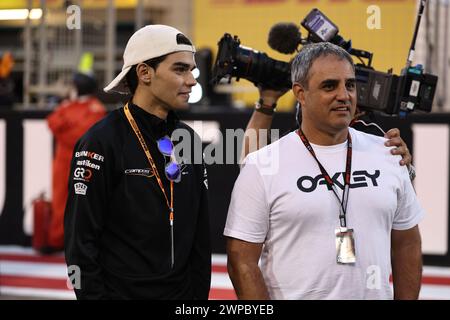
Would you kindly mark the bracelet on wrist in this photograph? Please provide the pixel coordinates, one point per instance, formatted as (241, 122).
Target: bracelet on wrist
(264, 108)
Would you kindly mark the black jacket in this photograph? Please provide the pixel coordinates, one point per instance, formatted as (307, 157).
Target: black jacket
(117, 220)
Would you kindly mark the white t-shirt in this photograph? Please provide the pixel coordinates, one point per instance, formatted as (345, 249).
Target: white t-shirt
(280, 199)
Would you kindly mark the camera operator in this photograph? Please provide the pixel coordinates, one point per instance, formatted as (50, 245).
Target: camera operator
(265, 110)
(286, 38)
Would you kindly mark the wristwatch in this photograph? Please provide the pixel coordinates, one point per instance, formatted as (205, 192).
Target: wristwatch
(264, 108)
(412, 172)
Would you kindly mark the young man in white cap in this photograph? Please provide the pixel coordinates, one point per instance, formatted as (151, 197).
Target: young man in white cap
(136, 220)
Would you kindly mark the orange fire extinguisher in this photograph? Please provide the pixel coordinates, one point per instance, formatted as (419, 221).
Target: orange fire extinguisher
(42, 215)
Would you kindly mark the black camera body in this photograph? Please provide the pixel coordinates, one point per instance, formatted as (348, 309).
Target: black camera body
(376, 91)
(392, 94)
(234, 60)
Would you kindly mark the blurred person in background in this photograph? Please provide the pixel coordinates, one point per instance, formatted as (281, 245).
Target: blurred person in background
(7, 97)
(68, 122)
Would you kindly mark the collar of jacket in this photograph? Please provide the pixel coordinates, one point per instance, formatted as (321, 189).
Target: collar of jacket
(159, 127)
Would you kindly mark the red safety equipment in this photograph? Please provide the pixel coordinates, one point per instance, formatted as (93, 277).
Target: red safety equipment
(42, 212)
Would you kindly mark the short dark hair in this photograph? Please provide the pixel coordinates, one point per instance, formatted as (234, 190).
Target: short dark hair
(85, 84)
(131, 76)
(303, 61)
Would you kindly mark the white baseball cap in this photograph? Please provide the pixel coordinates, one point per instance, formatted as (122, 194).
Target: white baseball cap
(149, 42)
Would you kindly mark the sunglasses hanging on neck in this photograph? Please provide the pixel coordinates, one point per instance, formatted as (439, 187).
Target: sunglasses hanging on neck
(172, 168)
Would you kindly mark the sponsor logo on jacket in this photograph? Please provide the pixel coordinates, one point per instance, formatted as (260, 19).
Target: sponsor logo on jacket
(147, 172)
(87, 163)
(82, 174)
(90, 155)
(80, 188)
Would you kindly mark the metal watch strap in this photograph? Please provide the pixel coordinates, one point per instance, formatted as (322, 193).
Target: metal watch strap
(411, 172)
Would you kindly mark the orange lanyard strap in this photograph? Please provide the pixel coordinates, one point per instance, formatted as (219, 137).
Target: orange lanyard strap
(150, 160)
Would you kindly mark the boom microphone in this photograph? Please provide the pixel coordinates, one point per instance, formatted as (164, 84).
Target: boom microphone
(284, 37)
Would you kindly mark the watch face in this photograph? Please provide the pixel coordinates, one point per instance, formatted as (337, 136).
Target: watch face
(260, 108)
(412, 172)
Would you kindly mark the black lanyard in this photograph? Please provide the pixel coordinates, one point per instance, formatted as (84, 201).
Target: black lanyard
(328, 180)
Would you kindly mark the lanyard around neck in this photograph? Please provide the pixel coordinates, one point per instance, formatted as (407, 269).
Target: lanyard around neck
(150, 158)
(328, 180)
(156, 173)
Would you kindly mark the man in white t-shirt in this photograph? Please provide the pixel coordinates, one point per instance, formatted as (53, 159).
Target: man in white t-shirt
(324, 207)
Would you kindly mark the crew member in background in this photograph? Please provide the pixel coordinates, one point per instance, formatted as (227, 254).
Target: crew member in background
(285, 38)
(7, 97)
(68, 122)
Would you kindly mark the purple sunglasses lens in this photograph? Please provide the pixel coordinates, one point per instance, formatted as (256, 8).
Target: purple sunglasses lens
(173, 171)
(165, 146)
